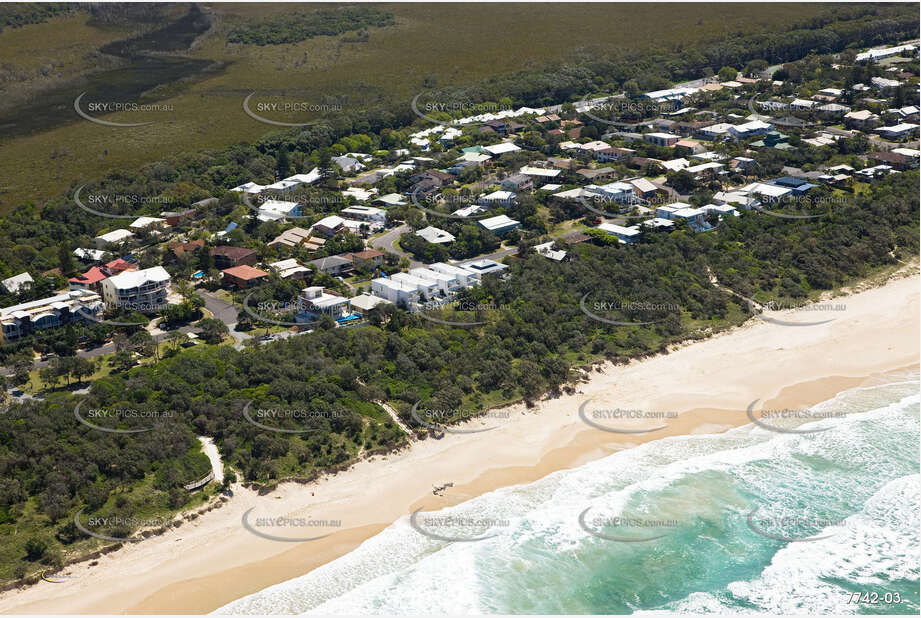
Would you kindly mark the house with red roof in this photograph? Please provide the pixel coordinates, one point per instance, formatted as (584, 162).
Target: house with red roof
(90, 280)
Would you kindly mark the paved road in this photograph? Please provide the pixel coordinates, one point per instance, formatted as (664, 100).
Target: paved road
(226, 312)
(386, 242)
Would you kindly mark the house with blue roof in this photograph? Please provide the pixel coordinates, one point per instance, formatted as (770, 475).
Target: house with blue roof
(797, 186)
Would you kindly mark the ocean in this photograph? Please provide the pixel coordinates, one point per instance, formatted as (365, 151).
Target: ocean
(746, 521)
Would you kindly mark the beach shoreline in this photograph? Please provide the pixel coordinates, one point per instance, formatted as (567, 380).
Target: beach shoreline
(213, 561)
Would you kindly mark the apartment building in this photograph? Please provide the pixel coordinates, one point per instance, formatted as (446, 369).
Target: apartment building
(70, 307)
(141, 290)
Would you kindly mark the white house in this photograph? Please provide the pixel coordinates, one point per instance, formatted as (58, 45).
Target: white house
(715, 131)
(249, 188)
(499, 225)
(314, 301)
(89, 255)
(427, 289)
(142, 223)
(661, 139)
(497, 198)
(624, 234)
(367, 213)
(17, 282)
(283, 186)
(289, 268)
(897, 131)
(682, 212)
(484, 267)
(500, 149)
(447, 283)
(114, 237)
(463, 276)
(750, 129)
(622, 192)
(274, 210)
(546, 249)
(396, 292)
(540, 172)
(435, 235)
(767, 193)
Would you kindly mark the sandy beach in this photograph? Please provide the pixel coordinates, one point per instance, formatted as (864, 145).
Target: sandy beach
(207, 563)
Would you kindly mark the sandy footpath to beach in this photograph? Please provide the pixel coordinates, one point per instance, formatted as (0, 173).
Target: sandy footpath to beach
(214, 560)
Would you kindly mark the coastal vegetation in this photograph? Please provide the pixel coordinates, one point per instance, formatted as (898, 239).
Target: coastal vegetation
(535, 337)
(301, 25)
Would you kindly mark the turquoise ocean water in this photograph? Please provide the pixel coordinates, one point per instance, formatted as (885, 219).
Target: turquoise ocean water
(748, 521)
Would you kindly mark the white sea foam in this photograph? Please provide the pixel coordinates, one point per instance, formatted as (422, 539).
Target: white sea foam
(403, 571)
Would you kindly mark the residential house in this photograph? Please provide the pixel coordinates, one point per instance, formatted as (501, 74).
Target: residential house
(370, 257)
(89, 256)
(333, 265)
(797, 186)
(391, 199)
(622, 192)
(426, 289)
(315, 301)
(540, 172)
(446, 283)
(274, 210)
(243, 277)
(375, 216)
(624, 234)
(114, 237)
(329, 226)
(226, 256)
(883, 84)
(435, 235)
(347, 164)
(862, 120)
(499, 225)
(743, 165)
(898, 161)
(364, 303)
(463, 276)
(148, 223)
(645, 189)
(898, 131)
(290, 269)
(396, 292)
(662, 139)
(764, 192)
(17, 283)
(497, 198)
(501, 149)
(118, 266)
(680, 211)
(689, 146)
(483, 267)
(750, 129)
(613, 153)
(292, 238)
(546, 249)
(714, 131)
(90, 280)
(596, 173)
(517, 182)
(183, 250)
